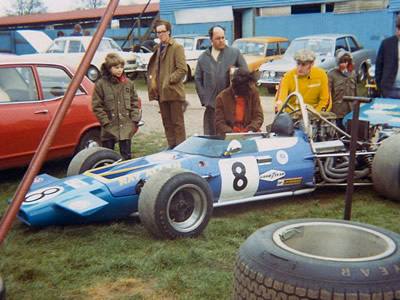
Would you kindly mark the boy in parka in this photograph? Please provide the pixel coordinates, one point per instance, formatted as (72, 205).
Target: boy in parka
(116, 105)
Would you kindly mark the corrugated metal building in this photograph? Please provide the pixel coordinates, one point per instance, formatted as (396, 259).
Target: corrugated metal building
(370, 20)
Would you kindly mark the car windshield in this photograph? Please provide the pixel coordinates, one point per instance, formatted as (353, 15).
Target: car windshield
(250, 48)
(318, 46)
(187, 43)
(108, 45)
(213, 146)
(57, 47)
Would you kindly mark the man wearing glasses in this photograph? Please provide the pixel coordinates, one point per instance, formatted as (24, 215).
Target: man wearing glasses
(387, 75)
(310, 81)
(166, 70)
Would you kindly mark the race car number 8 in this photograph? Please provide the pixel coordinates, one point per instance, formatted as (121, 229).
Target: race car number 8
(240, 181)
(239, 178)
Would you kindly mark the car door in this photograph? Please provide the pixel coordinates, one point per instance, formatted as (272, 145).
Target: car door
(23, 116)
(54, 81)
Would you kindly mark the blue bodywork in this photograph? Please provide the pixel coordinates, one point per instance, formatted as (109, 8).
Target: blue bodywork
(267, 166)
(381, 111)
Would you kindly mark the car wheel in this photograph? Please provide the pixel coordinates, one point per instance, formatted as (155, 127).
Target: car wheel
(386, 168)
(93, 73)
(175, 203)
(318, 259)
(91, 158)
(90, 138)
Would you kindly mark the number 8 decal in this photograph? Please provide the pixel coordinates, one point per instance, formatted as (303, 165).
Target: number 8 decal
(240, 181)
(239, 178)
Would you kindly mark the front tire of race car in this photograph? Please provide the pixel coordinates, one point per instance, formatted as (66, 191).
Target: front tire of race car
(386, 168)
(175, 203)
(318, 259)
(91, 158)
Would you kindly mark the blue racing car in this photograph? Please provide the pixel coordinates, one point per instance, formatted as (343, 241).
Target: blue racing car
(174, 191)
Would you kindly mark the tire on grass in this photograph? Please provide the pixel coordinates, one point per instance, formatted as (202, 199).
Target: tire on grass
(91, 158)
(175, 203)
(318, 259)
(386, 168)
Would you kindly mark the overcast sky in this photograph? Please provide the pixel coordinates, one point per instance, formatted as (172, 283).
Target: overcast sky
(59, 5)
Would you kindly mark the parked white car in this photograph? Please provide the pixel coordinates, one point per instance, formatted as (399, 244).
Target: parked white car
(70, 50)
(325, 47)
(194, 45)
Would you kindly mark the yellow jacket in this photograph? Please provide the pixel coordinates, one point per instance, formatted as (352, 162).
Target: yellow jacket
(314, 88)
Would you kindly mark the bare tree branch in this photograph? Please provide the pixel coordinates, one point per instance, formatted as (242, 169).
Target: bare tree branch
(26, 7)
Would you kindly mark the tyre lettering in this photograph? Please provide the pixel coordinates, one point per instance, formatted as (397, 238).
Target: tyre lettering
(365, 272)
(397, 268)
(346, 273)
(384, 271)
(240, 181)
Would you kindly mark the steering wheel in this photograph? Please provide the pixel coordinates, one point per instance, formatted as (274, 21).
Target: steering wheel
(302, 106)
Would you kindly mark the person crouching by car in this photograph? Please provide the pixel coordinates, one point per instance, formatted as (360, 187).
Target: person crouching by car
(238, 108)
(342, 82)
(116, 105)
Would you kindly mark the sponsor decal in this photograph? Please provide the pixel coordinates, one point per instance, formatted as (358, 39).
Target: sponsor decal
(79, 204)
(76, 183)
(146, 173)
(37, 180)
(282, 157)
(289, 181)
(272, 175)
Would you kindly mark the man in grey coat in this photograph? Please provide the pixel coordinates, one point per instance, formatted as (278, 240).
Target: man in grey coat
(212, 74)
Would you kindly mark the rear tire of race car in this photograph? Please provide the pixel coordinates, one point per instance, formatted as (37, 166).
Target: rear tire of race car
(175, 203)
(386, 168)
(91, 158)
(318, 259)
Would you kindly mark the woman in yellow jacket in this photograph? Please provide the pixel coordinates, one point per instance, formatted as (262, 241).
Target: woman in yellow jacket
(311, 82)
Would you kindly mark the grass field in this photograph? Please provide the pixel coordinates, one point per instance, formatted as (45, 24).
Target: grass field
(121, 260)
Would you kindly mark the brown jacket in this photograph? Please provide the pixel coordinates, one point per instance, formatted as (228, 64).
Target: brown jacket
(116, 106)
(225, 111)
(165, 74)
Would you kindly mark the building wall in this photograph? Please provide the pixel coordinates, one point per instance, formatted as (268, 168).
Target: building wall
(369, 27)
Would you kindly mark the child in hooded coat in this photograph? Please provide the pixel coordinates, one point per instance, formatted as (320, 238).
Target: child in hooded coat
(116, 105)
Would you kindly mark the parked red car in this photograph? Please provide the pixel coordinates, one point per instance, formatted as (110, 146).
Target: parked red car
(30, 93)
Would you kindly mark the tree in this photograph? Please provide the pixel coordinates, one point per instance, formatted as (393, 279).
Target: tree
(26, 7)
(87, 4)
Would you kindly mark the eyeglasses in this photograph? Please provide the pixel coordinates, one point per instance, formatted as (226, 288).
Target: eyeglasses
(161, 32)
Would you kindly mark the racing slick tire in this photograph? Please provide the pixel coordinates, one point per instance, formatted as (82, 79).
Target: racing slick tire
(318, 259)
(386, 168)
(91, 158)
(175, 203)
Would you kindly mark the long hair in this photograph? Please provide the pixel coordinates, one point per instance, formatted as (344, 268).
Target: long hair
(243, 80)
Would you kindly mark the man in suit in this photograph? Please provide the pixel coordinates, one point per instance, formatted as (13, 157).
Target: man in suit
(387, 74)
